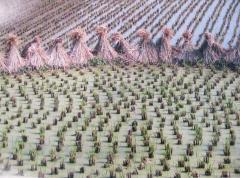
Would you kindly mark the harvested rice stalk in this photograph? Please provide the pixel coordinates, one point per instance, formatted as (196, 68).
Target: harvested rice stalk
(58, 57)
(103, 48)
(14, 61)
(166, 52)
(126, 51)
(210, 50)
(188, 51)
(80, 53)
(147, 49)
(3, 67)
(36, 56)
(233, 54)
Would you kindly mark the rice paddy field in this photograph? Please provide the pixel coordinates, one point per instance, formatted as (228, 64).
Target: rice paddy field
(121, 121)
(52, 19)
